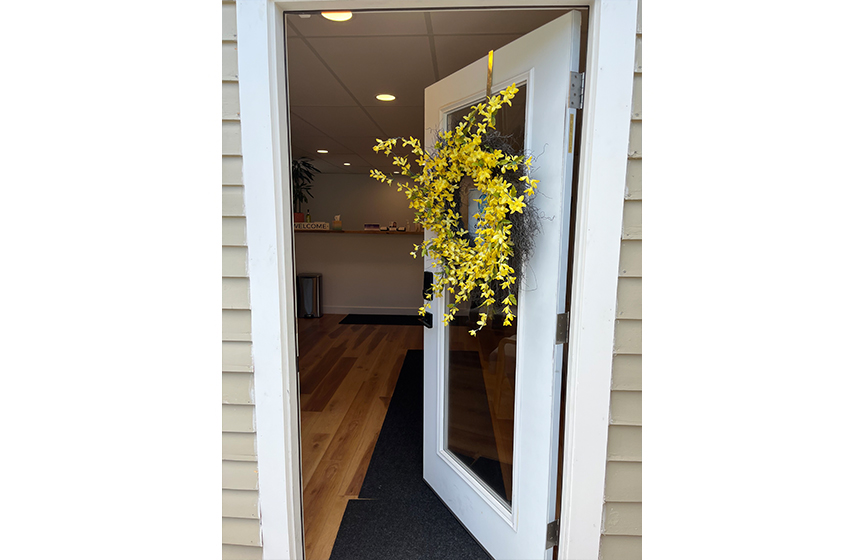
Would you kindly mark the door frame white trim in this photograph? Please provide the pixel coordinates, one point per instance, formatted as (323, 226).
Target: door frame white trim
(264, 138)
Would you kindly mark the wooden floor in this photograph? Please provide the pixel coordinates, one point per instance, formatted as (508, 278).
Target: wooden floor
(347, 376)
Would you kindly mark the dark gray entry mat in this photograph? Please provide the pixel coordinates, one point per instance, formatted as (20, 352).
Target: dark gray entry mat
(398, 516)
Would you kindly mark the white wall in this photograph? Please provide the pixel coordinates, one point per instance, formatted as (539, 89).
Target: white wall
(361, 273)
(359, 199)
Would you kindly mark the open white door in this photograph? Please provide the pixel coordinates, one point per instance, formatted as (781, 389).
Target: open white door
(491, 403)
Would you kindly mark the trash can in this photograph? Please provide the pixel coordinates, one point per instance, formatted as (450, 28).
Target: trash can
(308, 294)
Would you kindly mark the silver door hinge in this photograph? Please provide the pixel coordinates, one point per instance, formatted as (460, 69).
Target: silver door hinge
(577, 89)
(562, 328)
(552, 530)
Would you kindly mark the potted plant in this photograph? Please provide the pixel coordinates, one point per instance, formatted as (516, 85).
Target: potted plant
(302, 174)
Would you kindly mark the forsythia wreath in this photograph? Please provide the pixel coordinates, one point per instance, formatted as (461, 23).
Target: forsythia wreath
(485, 269)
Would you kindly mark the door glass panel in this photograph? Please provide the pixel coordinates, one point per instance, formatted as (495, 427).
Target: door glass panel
(481, 370)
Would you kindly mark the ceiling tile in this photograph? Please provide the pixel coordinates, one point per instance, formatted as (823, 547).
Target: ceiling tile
(392, 23)
(399, 121)
(491, 21)
(338, 121)
(310, 83)
(363, 147)
(309, 145)
(454, 52)
(401, 66)
(299, 126)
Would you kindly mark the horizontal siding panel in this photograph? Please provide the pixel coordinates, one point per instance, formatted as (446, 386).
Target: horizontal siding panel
(236, 356)
(239, 475)
(238, 445)
(634, 179)
(232, 201)
(627, 372)
(625, 407)
(232, 170)
(623, 482)
(629, 298)
(237, 388)
(238, 418)
(229, 62)
(635, 149)
(235, 293)
(636, 107)
(245, 532)
(637, 67)
(231, 138)
(240, 503)
(234, 231)
(620, 547)
(234, 262)
(628, 336)
(231, 552)
(229, 22)
(632, 224)
(625, 443)
(230, 100)
(623, 519)
(236, 325)
(630, 261)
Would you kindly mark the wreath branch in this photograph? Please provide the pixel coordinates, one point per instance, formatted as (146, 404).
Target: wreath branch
(484, 270)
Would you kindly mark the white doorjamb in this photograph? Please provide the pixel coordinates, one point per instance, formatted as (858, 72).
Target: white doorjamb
(596, 248)
(264, 138)
(264, 142)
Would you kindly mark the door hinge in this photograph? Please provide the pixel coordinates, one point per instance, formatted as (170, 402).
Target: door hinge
(577, 89)
(552, 530)
(562, 328)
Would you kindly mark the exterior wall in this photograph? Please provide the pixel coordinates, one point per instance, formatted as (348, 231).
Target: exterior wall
(622, 528)
(241, 535)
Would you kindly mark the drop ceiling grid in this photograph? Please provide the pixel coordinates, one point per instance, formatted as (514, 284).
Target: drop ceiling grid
(332, 85)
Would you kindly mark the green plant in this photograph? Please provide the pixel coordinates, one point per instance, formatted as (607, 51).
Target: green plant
(302, 175)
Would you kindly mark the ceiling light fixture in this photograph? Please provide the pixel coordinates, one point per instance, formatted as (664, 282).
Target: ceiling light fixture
(323, 152)
(346, 163)
(385, 97)
(337, 16)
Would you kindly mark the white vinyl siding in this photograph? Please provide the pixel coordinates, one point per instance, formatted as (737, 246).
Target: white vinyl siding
(241, 532)
(622, 524)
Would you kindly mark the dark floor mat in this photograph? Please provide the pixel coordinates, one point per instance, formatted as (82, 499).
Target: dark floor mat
(358, 319)
(396, 467)
(420, 529)
(398, 515)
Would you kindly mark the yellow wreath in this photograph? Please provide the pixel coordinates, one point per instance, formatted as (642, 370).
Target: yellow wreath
(459, 154)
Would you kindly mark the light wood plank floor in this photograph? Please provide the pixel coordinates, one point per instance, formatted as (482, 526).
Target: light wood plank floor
(347, 376)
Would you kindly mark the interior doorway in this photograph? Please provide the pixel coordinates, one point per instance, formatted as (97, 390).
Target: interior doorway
(349, 369)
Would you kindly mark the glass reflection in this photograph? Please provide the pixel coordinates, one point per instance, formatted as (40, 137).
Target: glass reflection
(481, 373)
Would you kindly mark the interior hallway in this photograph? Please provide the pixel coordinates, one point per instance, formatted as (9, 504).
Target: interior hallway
(347, 376)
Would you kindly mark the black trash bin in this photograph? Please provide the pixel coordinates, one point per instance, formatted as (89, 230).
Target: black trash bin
(308, 295)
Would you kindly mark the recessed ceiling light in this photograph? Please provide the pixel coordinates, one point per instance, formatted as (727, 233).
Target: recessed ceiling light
(337, 16)
(323, 152)
(346, 163)
(385, 97)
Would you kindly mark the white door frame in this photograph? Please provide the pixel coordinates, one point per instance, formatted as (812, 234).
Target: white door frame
(264, 137)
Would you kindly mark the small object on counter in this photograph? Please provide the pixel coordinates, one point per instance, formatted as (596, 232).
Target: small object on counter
(400, 228)
(337, 223)
(382, 228)
(371, 227)
(308, 217)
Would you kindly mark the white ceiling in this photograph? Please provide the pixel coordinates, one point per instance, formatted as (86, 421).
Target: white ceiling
(337, 68)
